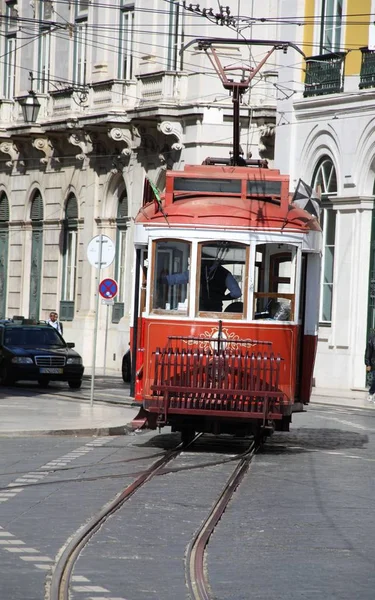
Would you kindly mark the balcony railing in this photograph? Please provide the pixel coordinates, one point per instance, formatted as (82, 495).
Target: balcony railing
(324, 74)
(164, 87)
(367, 75)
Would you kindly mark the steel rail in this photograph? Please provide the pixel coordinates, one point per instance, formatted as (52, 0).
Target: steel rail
(194, 567)
(58, 587)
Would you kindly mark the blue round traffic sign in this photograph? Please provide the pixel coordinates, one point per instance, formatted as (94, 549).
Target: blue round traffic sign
(108, 288)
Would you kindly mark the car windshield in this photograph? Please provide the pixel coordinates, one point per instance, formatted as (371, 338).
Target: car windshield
(33, 336)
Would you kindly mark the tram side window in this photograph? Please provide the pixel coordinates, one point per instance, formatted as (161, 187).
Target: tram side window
(222, 278)
(274, 284)
(171, 276)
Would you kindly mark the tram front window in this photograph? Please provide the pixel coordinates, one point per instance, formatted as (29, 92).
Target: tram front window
(171, 276)
(222, 277)
(274, 287)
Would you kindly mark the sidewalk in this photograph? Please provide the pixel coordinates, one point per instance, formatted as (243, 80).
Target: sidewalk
(348, 398)
(41, 416)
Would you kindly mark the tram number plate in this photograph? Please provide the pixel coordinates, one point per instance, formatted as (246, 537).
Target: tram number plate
(50, 370)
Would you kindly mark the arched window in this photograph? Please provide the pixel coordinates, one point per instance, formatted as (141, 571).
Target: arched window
(69, 259)
(121, 224)
(324, 179)
(4, 245)
(36, 215)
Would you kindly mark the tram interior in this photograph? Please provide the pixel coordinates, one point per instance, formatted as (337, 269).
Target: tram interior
(273, 279)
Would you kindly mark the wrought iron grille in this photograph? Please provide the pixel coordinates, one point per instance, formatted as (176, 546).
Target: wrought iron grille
(324, 74)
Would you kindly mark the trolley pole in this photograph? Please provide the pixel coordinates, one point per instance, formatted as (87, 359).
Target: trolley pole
(236, 88)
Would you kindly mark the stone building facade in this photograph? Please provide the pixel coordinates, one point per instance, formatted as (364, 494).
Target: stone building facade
(118, 101)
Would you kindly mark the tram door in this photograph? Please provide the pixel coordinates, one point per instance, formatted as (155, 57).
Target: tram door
(140, 287)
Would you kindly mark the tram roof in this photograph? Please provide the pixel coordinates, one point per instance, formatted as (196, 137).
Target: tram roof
(229, 196)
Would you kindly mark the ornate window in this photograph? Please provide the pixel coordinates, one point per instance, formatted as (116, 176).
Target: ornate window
(126, 50)
(175, 37)
(69, 259)
(4, 244)
(36, 215)
(121, 223)
(331, 26)
(80, 43)
(10, 49)
(324, 178)
(44, 50)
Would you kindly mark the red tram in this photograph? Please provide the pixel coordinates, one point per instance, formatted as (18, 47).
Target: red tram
(226, 302)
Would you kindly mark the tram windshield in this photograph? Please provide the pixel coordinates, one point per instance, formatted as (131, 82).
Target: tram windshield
(171, 276)
(222, 277)
(274, 289)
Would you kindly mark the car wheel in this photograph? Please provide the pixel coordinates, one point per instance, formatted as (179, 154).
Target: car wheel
(43, 382)
(75, 385)
(126, 368)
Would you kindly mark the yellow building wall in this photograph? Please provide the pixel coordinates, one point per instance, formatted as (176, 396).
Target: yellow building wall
(356, 33)
(308, 30)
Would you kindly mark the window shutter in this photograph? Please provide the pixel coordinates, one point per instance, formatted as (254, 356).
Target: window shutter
(36, 213)
(4, 208)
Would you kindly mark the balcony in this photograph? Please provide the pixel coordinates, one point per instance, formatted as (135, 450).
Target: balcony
(165, 87)
(98, 98)
(367, 75)
(324, 74)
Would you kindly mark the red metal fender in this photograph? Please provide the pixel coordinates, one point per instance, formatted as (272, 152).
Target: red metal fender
(144, 420)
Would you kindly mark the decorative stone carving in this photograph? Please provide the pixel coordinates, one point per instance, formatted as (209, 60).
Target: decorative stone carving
(11, 149)
(45, 145)
(128, 137)
(266, 140)
(173, 128)
(83, 141)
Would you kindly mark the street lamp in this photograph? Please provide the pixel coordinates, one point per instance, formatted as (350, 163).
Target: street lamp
(30, 106)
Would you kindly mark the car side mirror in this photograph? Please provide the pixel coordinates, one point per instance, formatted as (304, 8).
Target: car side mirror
(70, 344)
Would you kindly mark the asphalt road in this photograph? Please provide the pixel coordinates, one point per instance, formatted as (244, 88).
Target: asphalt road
(109, 389)
(300, 526)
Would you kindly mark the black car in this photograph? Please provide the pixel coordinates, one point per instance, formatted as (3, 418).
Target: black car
(36, 351)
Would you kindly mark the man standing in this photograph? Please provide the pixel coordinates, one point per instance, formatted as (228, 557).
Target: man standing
(370, 365)
(54, 322)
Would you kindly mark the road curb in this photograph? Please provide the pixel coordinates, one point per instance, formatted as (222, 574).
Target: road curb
(93, 431)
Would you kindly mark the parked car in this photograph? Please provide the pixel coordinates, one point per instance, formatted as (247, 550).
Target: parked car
(36, 351)
(126, 367)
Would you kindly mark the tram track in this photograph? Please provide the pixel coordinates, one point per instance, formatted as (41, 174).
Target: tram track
(195, 572)
(58, 588)
(59, 585)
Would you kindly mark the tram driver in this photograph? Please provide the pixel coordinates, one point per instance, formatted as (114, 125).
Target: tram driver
(217, 285)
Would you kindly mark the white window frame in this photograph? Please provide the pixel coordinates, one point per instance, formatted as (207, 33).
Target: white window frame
(70, 270)
(328, 212)
(175, 37)
(10, 66)
(331, 26)
(126, 42)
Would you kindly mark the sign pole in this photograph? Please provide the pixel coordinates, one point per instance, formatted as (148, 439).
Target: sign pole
(105, 339)
(96, 321)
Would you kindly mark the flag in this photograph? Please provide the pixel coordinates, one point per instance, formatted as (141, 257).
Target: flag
(306, 198)
(157, 198)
